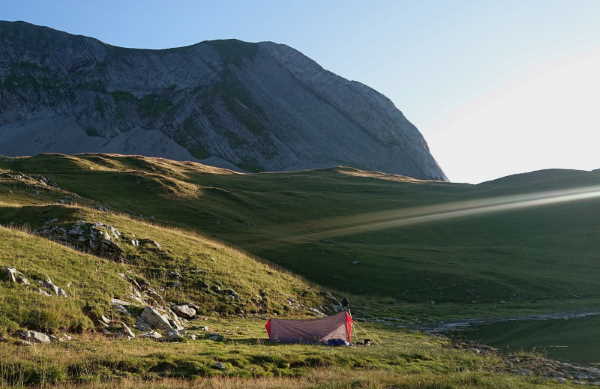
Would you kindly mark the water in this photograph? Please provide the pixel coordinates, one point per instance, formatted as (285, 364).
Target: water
(569, 340)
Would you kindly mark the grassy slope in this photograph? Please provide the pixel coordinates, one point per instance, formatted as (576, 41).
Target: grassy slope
(175, 202)
(513, 257)
(91, 281)
(196, 258)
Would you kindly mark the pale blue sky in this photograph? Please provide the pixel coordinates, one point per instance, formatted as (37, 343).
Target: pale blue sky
(497, 87)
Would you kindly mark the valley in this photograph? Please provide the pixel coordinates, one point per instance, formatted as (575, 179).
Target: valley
(239, 248)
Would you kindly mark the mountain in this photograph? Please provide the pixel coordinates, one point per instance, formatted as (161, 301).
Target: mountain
(244, 106)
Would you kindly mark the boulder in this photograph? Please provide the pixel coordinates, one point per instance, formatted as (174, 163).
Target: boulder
(184, 311)
(48, 284)
(151, 335)
(127, 331)
(155, 320)
(61, 338)
(142, 325)
(174, 320)
(11, 274)
(34, 337)
(116, 301)
(120, 308)
(174, 336)
(98, 238)
(43, 292)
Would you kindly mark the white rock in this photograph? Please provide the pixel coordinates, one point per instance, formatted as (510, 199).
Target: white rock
(127, 331)
(13, 275)
(151, 334)
(55, 289)
(120, 308)
(184, 311)
(119, 302)
(155, 319)
(43, 292)
(35, 337)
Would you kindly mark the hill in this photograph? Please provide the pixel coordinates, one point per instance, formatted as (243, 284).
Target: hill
(97, 242)
(96, 256)
(371, 235)
(246, 106)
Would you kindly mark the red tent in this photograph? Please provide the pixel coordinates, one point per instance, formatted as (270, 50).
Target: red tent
(311, 331)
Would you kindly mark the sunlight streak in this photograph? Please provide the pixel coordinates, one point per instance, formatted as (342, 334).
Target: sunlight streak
(368, 222)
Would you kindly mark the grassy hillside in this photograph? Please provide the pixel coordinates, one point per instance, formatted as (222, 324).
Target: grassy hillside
(89, 281)
(185, 267)
(358, 232)
(242, 247)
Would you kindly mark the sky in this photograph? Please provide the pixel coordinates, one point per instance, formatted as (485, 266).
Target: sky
(497, 87)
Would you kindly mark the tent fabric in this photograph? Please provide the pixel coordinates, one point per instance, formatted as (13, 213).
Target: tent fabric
(311, 331)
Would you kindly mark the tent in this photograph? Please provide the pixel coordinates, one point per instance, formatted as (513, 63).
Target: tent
(311, 331)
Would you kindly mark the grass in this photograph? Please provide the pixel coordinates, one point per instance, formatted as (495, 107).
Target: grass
(290, 238)
(200, 262)
(197, 260)
(90, 282)
(570, 340)
(402, 359)
(508, 259)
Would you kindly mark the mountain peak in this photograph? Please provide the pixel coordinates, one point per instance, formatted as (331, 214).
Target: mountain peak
(229, 103)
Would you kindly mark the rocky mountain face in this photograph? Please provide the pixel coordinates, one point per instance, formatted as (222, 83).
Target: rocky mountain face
(228, 103)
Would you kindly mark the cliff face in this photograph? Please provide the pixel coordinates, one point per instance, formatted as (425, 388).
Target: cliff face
(249, 106)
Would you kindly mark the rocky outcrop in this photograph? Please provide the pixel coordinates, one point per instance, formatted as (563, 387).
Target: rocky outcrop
(13, 275)
(49, 285)
(34, 337)
(245, 106)
(46, 286)
(96, 238)
(152, 319)
(185, 311)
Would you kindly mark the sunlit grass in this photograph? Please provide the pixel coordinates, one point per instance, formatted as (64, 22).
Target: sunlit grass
(411, 250)
(401, 359)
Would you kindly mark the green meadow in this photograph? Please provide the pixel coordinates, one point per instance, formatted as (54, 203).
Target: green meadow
(405, 251)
